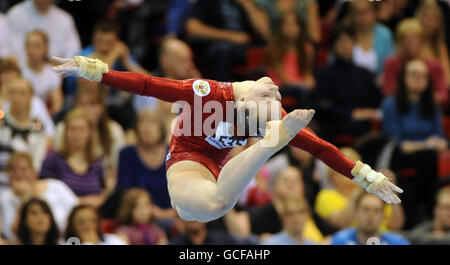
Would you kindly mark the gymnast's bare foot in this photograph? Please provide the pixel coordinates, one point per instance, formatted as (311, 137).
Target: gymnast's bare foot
(297, 120)
(280, 133)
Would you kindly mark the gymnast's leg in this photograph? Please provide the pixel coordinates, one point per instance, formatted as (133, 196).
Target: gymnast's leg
(193, 189)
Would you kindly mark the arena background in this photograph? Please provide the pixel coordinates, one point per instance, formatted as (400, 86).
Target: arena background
(84, 163)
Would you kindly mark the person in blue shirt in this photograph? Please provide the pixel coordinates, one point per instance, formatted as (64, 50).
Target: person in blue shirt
(414, 120)
(107, 46)
(144, 166)
(369, 212)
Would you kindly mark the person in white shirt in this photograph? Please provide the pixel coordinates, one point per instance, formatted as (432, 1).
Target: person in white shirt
(37, 69)
(44, 15)
(19, 131)
(4, 40)
(9, 70)
(26, 185)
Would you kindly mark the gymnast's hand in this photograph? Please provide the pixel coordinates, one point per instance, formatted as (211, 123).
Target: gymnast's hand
(68, 67)
(80, 66)
(376, 183)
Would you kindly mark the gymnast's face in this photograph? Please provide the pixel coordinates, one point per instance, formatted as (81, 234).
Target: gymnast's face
(262, 99)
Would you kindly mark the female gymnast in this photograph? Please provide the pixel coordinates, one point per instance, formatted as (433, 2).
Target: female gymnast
(201, 187)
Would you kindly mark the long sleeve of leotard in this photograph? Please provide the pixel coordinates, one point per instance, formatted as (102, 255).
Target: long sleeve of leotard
(145, 85)
(323, 150)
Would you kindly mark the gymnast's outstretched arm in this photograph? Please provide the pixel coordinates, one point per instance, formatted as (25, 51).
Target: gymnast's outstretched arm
(145, 85)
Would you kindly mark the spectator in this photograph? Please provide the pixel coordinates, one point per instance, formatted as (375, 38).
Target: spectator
(294, 215)
(374, 42)
(24, 184)
(44, 15)
(36, 225)
(369, 215)
(4, 41)
(91, 97)
(136, 219)
(177, 14)
(143, 165)
(196, 233)
(436, 231)
(346, 94)
(84, 224)
(302, 160)
(415, 121)
(291, 56)
(430, 16)
(75, 161)
(37, 69)
(107, 46)
(266, 220)
(409, 35)
(176, 61)
(337, 206)
(307, 10)
(224, 29)
(19, 130)
(9, 70)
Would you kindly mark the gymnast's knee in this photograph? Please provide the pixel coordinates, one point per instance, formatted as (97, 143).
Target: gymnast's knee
(210, 212)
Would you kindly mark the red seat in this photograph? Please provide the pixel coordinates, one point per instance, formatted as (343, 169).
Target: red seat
(107, 226)
(256, 58)
(444, 164)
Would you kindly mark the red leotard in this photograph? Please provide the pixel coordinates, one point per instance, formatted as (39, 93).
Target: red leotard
(204, 149)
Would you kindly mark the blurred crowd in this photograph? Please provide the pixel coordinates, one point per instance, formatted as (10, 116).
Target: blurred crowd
(82, 160)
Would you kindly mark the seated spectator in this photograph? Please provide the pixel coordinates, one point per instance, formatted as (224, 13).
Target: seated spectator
(143, 165)
(430, 16)
(19, 130)
(369, 215)
(291, 57)
(346, 94)
(302, 160)
(294, 215)
(436, 231)
(136, 219)
(107, 47)
(36, 225)
(337, 205)
(414, 120)
(409, 36)
(266, 220)
(374, 41)
(307, 10)
(4, 40)
(224, 29)
(24, 184)
(46, 16)
(108, 133)
(196, 233)
(176, 61)
(75, 161)
(84, 224)
(37, 69)
(9, 70)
